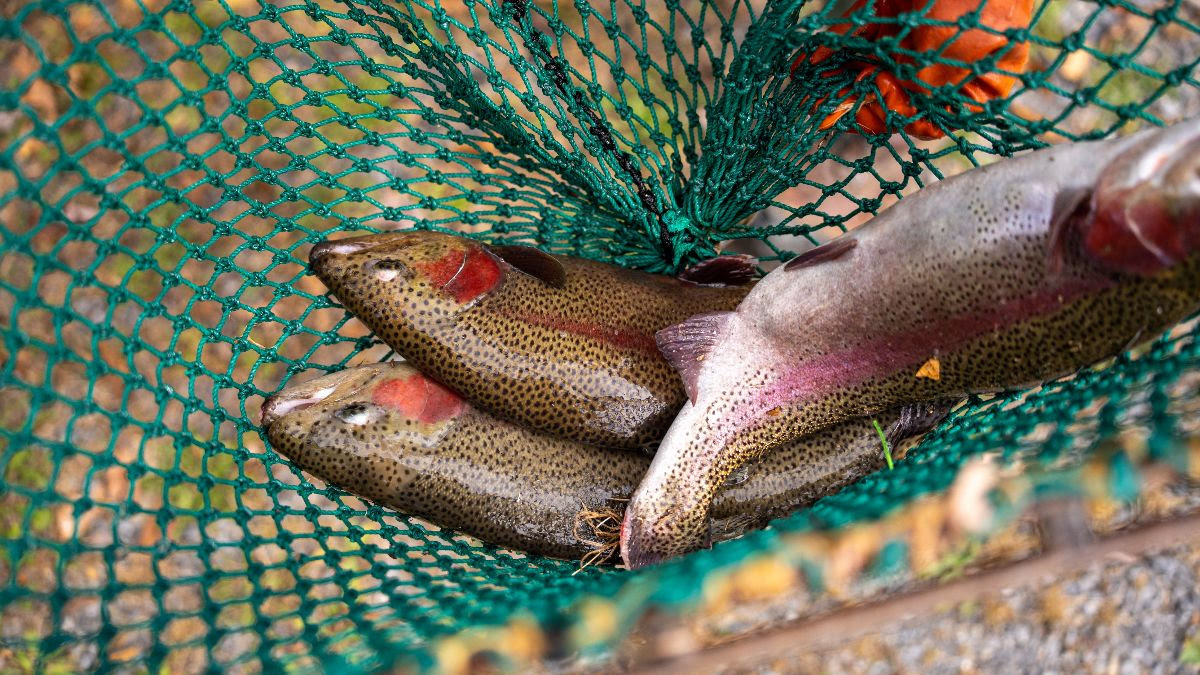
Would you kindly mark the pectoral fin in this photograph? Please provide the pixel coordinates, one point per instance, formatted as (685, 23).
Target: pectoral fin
(917, 418)
(686, 345)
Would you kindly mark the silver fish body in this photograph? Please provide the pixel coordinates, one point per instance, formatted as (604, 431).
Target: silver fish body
(1011, 274)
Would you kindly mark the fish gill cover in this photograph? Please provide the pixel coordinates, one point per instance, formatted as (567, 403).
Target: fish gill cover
(165, 167)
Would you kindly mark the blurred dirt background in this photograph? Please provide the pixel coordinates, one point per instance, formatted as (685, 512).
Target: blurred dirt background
(1123, 614)
(1120, 613)
(127, 494)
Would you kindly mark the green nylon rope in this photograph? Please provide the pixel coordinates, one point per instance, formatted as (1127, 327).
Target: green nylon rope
(165, 166)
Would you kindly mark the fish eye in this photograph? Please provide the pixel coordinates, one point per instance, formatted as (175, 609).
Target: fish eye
(386, 269)
(355, 414)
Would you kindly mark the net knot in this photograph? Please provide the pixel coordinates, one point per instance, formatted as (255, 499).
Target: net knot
(683, 234)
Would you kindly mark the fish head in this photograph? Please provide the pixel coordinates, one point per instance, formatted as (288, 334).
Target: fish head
(335, 424)
(668, 515)
(1145, 208)
(397, 272)
(649, 539)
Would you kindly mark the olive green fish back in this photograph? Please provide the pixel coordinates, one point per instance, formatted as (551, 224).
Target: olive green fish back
(166, 165)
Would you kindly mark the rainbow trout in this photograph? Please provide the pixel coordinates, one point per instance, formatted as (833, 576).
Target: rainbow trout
(1011, 274)
(391, 434)
(563, 345)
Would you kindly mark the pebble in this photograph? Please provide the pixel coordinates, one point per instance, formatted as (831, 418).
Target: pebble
(1128, 615)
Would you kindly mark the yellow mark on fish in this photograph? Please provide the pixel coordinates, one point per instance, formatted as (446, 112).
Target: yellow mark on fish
(931, 369)
(774, 412)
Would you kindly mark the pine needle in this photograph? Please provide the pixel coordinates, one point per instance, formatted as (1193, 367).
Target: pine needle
(887, 449)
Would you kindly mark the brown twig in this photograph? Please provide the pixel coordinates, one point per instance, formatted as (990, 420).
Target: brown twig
(605, 533)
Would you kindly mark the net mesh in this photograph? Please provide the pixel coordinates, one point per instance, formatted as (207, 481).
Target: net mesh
(164, 167)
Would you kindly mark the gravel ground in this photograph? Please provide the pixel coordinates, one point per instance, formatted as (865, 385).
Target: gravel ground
(1118, 615)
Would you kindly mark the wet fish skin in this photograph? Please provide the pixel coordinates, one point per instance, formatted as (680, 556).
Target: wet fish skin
(560, 344)
(1011, 274)
(796, 474)
(392, 435)
(442, 460)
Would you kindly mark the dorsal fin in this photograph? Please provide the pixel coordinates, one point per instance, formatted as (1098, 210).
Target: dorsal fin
(686, 345)
(823, 253)
(723, 270)
(535, 263)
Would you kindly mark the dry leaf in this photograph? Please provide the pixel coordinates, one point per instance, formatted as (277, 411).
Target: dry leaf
(931, 369)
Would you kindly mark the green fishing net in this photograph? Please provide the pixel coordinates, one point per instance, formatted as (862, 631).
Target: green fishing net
(166, 165)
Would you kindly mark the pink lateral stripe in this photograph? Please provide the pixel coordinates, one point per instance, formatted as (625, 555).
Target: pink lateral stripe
(822, 375)
(624, 338)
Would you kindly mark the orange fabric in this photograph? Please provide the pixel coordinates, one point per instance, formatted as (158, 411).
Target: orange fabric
(949, 43)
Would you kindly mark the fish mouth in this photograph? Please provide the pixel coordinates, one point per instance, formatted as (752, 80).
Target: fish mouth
(387, 254)
(398, 240)
(338, 247)
(323, 256)
(633, 553)
(298, 397)
(638, 549)
(334, 248)
(278, 405)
